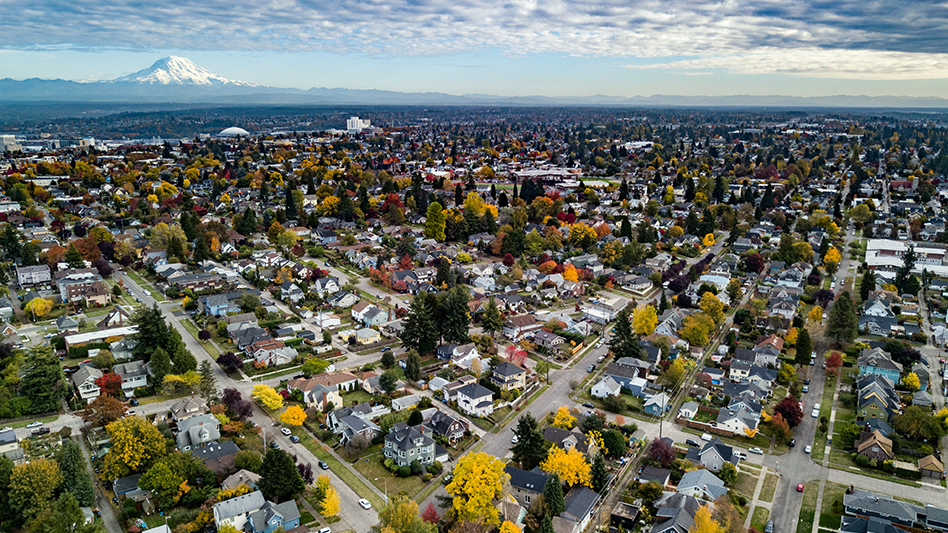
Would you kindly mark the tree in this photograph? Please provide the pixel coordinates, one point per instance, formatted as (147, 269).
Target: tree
(102, 411)
(65, 516)
(673, 374)
(400, 515)
(623, 342)
(279, 478)
(781, 428)
(644, 320)
(599, 474)
(330, 502)
(44, 383)
(248, 460)
(38, 307)
(712, 307)
(388, 381)
(160, 364)
(435, 222)
(32, 486)
(491, 320)
(413, 366)
(727, 516)
(293, 415)
(904, 272)
(728, 473)
(660, 451)
(786, 373)
(842, 323)
(918, 424)
(582, 236)
(430, 515)
(266, 395)
(734, 290)
(563, 419)
(546, 526)
(315, 365)
(553, 495)
(76, 479)
(703, 521)
(833, 362)
(136, 444)
(507, 527)
(696, 328)
(816, 315)
(420, 329)
(73, 258)
(531, 447)
(831, 260)
(164, 483)
(789, 409)
(615, 443)
(455, 316)
(708, 240)
(110, 384)
(388, 359)
(479, 479)
(804, 346)
(867, 285)
(911, 382)
(208, 384)
(570, 466)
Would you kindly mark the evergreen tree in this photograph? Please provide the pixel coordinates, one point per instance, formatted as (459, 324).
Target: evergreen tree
(202, 251)
(689, 189)
(188, 225)
(531, 448)
(719, 189)
(553, 495)
(904, 272)
(413, 366)
(546, 526)
(76, 480)
(175, 248)
(804, 347)
(842, 321)
(10, 242)
(663, 304)
(279, 479)
(289, 203)
(388, 359)
(443, 272)
(625, 230)
(455, 317)
(867, 285)
(208, 385)
(73, 258)
(248, 224)
(420, 331)
(160, 365)
(488, 223)
(491, 320)
(767, 202)
(503, 201)
(623, 342)
(624, 190)
(600, 475)
(458, 195)
(44, 383)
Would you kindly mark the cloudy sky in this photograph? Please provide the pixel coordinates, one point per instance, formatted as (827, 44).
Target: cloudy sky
(509, 47)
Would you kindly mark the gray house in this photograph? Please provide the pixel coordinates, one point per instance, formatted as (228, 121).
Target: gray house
(405, 444)
(198, 431)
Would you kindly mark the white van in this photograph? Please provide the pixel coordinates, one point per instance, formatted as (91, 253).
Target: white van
(706, 437)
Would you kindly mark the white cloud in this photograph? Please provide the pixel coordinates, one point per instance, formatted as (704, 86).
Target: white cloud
(866, 39)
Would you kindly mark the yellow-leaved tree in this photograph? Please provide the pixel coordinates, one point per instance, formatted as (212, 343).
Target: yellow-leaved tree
(266, 395)
(330, 502)
(563, 419)
(509, 527)
(708, 240)
(816, 315)
(791, 337)
(479, 479)
(570, 466)
(704, 523)
(712, 307)
(32, 486)
(38, 307)
(401, 515)
(911, 382)
(293, 415)
(695, 329)
(644, 320)
(136, 443)
(570, 273)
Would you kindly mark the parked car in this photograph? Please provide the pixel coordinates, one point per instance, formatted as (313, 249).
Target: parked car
(275, 445)
(756, 450)
(365, 503)
(590, 369)
(8, 428)
(133, 402)
(286, 431)
(323, 465)
(41, 431)
(324, 530)
(294, 439)
(706, 437)
(806, 381)
(589, 405)
(807, 449)
(770, 527)
(515, 440)
(35, 424)
(692, 442)
(799, 487)
(806, 388)
(793, 442)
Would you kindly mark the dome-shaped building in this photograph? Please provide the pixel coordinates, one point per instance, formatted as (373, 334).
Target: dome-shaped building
(234, 131)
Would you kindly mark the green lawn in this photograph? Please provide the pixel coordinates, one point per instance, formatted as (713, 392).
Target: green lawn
(760, 517)
(769, 488)
(286, 371)
(356, 397)
(23, 423)
(746, 484)
(831, 513)
(346, 475)
(209, 346)
(374, 471)
(808, 509)
(145, 286)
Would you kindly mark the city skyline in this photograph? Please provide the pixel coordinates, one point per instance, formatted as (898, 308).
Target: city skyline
(514, 49)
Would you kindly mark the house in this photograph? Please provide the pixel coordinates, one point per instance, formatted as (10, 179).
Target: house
(569, 439)
(930, 467)
(66, 324)
(197, 431)
(520, 326)
(187, 407)
(580, 503)
(291, 292)
(218, 456)
(688, 410)
(33, 275)
(923, 399)
(475, 400)
(713, 455)
(548, 340)
(404, 402)
(879, 362)
(375, 317)
(134, 374)
(651, 474)
(607, 386)
(669, 323)
(624, 370)
(317, 393)
(405, 444)
(325, 286)
(116, 318)
(251, 512)
(657, 404)
(342, 299)
(10, 446)
(241, 477)
(739, 419)
(84, 381)
(701, 484)
(921, 371)
(675, 513)
(605, 310)
(509, 376)
(367, 336)
(525, 485)
(444, 424)
(874, 446)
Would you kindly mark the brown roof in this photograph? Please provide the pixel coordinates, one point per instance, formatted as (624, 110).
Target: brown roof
(522, 320)
(876, 439)
(930, 463)
(362, 305)
(326, 380)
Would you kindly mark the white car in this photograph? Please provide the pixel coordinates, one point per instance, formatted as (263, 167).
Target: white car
(515, 440)
(34, 424)
(756, 450)
(807, 449)
(324, 530)
(8, 428)
(285, 431)
(815, 413)
(365, 503)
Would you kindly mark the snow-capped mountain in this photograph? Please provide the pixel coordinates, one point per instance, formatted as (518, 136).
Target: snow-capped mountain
(174, 70)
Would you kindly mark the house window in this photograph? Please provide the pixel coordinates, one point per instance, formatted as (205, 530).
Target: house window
(526, 499)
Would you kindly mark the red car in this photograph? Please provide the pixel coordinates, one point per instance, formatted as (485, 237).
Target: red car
(799, 487)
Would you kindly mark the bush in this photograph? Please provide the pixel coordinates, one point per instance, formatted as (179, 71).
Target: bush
(862, 460)
(415, 467)
(390, 465)
(404, 471)
(426, 477)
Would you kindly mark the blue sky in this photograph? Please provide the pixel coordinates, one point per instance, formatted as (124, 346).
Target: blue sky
(515, 47)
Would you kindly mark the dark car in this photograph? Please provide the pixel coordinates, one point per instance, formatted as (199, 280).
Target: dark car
(275, 445)
(323, 465)
(793, 442)
(589, 405)
(41, 431)
(133, 402)
(590, 369)
(294, 439)
(692, 442)
(770, 527)
(806, 381)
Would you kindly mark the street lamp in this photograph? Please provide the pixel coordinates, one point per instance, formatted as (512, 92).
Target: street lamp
(386, 487)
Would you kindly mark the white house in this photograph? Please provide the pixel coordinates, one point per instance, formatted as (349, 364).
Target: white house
(475, 400)
(606, 387)
(84, 380)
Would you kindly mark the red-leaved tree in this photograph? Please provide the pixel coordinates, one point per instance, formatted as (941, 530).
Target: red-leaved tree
(430, 514)
(789, 408)
(110, 384)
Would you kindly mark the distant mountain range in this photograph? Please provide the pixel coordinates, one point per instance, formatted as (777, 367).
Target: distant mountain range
(177, 80)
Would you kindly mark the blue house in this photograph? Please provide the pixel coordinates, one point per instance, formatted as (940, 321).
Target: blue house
(253, 513)
(657, 403)
(876, 361)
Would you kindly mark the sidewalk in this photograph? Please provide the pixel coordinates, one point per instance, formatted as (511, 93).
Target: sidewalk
(755, 501)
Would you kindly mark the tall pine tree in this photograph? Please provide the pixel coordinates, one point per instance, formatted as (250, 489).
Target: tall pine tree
(842, 321)
(420, 331)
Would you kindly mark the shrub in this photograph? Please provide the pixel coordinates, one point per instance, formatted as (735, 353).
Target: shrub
(415, 467)
(390, 465)
(404, 471)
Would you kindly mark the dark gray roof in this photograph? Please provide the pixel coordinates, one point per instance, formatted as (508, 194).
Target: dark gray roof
(287, 510)
(475, 391)
(526, 479)
(579, 503)
(506, 369)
